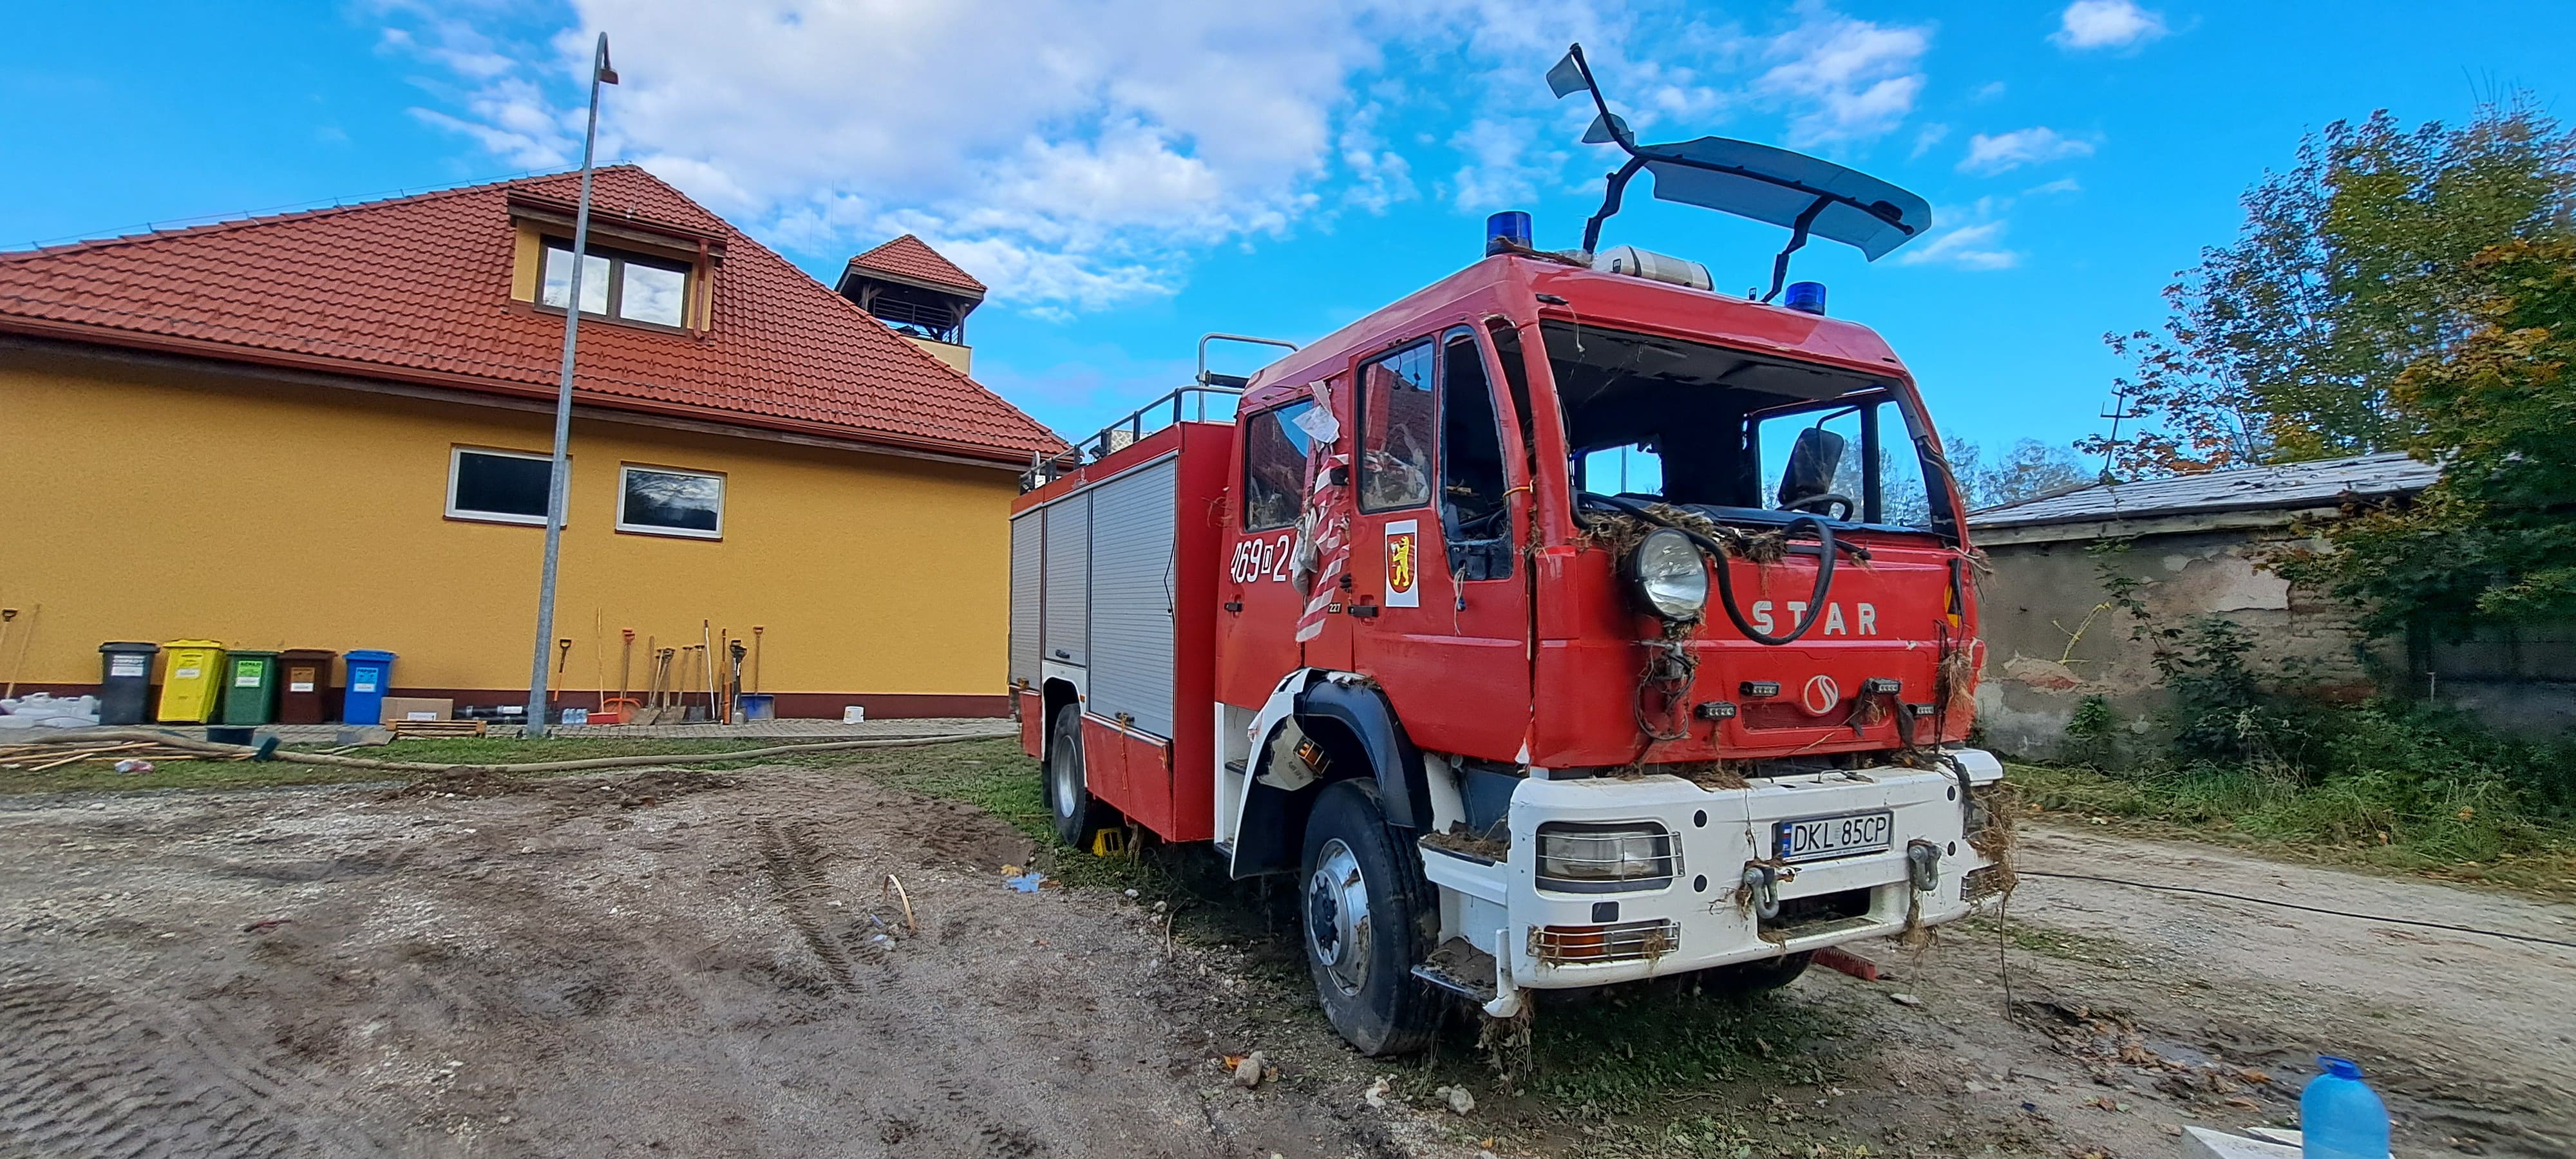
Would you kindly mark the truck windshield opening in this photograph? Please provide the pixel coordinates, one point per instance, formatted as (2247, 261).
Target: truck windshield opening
(1740, 437)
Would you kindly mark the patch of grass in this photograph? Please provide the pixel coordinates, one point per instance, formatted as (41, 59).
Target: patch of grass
(1633, 1050)
(2464, 829)
(101, 776)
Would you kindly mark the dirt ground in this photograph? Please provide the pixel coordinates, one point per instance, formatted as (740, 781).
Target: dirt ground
(714, 964)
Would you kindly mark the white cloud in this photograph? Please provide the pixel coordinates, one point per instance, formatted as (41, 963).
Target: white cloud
(2107, 24)
(1379, 176)
(2061, 185)
(2006, 151)
(1504, 167)
(1071, 147)
(1855, 79)
(1928, 136)
(1075, 155)
(1969, 247)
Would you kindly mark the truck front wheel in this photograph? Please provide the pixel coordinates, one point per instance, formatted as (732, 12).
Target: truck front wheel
(1748, 978)
(1077, 813)
(1365, 903)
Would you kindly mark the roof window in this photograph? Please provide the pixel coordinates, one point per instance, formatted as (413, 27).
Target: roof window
(618, 284)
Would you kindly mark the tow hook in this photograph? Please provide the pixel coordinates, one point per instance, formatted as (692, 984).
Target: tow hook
(1923, 864)
(1762, 884)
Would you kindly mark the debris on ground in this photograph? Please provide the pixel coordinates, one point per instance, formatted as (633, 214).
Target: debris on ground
(1375, 1095)
(1025, 881)
(1458, 840)
(1905, 1000)
(1251, 1069)
(1844, 961)
(1461, 1100)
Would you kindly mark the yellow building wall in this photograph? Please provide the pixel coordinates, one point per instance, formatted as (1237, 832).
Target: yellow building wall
(144, 504)
(961, 358)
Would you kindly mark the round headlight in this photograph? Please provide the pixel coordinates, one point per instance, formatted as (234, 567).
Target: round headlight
(1668, 576)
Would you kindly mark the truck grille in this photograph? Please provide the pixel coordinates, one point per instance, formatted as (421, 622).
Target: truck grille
(1623, 942)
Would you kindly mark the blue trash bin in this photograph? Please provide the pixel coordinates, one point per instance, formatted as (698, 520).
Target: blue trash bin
(370, 671)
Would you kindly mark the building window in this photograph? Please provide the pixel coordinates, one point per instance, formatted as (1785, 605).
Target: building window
(498, 486)
(616, 284)
(662, 501)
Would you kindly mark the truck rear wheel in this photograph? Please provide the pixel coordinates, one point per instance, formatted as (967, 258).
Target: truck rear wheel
(1077, 813)
(1365, 903)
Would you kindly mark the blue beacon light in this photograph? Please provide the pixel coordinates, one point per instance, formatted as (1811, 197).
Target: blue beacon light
(1512, 226)
(1806, 297)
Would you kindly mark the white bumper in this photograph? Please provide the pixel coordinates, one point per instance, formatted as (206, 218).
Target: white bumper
(1706, 916)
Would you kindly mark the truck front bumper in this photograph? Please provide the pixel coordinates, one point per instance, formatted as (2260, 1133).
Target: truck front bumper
(1730, 898)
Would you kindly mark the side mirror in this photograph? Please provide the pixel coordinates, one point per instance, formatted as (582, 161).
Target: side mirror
(1813, 461)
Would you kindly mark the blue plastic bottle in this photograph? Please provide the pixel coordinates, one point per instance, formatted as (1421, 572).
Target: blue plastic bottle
(2340, 1117)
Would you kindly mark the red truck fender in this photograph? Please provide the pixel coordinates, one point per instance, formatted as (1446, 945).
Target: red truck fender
(1346, 714)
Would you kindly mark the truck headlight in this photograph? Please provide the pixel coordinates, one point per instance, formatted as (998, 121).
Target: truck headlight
(1592, 857)
(1667, 577)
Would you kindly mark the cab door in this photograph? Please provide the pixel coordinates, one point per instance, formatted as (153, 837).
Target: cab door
(1291, 465)
(1439, 603)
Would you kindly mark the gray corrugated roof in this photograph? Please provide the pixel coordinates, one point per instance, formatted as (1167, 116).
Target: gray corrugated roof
(2314, 484)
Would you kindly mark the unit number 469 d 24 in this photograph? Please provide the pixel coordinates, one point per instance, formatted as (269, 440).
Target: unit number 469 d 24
(1257, 559)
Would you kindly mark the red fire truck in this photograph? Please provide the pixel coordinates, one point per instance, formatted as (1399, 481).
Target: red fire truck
(1564, 623)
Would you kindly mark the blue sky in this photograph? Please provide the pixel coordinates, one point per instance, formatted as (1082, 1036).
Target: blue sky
(1131, 173)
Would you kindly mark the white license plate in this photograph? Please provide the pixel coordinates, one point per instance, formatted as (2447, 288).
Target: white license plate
(1818, 838)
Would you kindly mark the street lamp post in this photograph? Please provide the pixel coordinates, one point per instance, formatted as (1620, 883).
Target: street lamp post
(540, 669)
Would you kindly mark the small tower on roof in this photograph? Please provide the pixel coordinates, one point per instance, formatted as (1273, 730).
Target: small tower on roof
(917, 294)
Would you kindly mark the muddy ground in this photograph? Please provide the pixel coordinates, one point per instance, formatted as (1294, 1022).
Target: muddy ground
(714, 964)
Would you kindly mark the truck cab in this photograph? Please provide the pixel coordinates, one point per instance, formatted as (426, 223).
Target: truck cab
(1564, 623)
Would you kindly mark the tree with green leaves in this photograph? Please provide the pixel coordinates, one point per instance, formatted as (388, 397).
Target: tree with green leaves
(2353, 265)
(2026, 469)
(2494, 540)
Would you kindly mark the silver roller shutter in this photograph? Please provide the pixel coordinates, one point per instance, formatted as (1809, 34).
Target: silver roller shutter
(1131, 596)
(1027, 549)
(1067, 629)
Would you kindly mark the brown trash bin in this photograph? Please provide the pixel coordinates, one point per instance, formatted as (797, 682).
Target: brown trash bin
(304, 688)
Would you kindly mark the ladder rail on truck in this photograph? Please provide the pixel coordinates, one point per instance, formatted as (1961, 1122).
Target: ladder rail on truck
(1380, 629)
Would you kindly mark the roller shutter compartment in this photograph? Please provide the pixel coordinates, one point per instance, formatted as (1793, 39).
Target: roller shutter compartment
(1028, 544)
(1132, 592)
(1066, 631)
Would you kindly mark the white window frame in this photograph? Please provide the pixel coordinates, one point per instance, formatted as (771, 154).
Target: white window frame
(456, 465)
(625, 470)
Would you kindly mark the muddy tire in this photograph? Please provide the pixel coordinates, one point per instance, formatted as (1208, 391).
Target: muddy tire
(1749, 978)
(1077, 814)
(1366, 911)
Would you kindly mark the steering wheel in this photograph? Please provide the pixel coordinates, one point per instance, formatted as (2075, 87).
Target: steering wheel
(1818, 504)
(1486, 526)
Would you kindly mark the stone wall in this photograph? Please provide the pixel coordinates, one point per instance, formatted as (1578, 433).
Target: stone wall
(2053, 639)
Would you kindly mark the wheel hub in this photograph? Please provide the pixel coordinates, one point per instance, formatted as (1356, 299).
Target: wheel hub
(1066, 780)
(1337, 917)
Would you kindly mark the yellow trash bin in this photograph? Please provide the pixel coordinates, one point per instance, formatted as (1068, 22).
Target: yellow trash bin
(195, 683)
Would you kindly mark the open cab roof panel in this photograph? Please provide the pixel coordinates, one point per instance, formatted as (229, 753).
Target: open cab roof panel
(1778, 186)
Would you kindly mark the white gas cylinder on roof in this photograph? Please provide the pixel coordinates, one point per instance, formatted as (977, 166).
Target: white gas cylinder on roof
(1653, 267)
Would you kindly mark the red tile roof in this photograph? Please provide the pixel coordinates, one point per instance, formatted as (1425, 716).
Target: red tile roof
(910, 257)
(417, 289)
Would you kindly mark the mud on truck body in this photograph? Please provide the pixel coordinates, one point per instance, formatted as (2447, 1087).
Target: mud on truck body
(1562, 624)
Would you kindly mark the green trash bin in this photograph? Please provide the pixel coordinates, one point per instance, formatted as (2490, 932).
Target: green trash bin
(250, 687)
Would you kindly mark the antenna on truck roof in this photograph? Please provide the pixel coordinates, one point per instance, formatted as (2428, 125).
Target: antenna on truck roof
(1809, 196)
